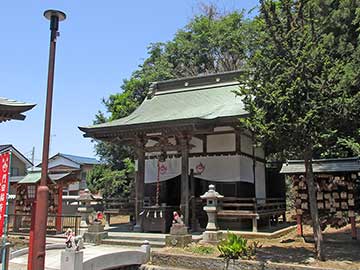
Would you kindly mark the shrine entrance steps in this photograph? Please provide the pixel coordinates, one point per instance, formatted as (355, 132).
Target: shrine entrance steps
(156, 240)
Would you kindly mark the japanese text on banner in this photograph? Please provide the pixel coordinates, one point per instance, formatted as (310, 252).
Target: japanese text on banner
(4, 181)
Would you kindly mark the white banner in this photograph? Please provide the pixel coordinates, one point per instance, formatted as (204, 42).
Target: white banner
(213, 168)
(168, 169)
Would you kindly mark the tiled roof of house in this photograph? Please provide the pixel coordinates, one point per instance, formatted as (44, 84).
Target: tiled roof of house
(81, 160)
(4, 147)
(7, 147)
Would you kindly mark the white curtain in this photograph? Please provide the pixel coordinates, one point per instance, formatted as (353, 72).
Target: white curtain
(168, 169)
(212, 168)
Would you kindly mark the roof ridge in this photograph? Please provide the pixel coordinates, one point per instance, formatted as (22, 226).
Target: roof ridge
(196, 88)
(194, 81)
(75, 155)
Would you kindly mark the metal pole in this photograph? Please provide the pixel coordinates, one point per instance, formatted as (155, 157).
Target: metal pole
(4, 244)
(36, 257)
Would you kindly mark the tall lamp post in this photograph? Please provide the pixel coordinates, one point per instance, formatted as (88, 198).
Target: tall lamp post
(36, 259)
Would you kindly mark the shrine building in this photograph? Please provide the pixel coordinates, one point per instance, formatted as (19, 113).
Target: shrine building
(186, 135)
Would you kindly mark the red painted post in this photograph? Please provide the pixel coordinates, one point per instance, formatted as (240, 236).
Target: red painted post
(353, 228)
(59, 210)
(38, 241)
(300, 231)
(31, 235)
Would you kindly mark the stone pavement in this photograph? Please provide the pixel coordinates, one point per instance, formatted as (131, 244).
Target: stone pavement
(52, 261)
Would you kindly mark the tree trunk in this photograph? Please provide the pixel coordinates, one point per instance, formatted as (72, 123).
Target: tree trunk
(309, 176)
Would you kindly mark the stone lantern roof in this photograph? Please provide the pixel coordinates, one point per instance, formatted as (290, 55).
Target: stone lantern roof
(86, 196)
(211, 194)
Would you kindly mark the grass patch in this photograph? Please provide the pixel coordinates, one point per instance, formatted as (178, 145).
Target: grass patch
(201, 249)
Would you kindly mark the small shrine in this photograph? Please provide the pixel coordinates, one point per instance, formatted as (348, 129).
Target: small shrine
(186, 135)
(337, 187)
(26, 197)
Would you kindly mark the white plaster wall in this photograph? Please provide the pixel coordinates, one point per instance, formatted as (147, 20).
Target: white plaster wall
(246, 144)
(221, 143)
(225, 128)
(198, 148)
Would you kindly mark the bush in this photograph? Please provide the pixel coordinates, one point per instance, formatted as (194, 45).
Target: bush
(236, 247)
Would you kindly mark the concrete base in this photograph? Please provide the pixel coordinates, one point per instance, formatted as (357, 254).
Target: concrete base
(137, 228)
(71, 260)
(178, 240)
(178, 229)
(95, 228)
(212, 237)
(94, 237)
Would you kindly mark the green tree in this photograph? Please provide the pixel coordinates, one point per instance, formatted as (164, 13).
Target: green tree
(111, 183)
(302, 88)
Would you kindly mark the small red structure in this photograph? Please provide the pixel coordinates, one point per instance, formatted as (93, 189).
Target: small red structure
(26, 198)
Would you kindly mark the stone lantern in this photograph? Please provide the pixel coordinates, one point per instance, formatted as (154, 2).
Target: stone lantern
(211, 235)
(85, 209)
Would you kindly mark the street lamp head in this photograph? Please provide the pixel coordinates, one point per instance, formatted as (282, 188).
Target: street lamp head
(55, 16)
(48, 14)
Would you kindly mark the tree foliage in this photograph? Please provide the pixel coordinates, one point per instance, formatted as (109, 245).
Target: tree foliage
(111, 183)
(302, 88)
(304, 81)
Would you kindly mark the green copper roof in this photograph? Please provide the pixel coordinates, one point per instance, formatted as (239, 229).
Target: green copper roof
(31, 178)
(200, 98)
(34, 177)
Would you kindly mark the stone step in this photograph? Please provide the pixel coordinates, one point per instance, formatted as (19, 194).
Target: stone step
(138, 236)
(157, 267)
(131, 242)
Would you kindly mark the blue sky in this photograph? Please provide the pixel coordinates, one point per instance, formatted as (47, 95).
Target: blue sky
(101, 43)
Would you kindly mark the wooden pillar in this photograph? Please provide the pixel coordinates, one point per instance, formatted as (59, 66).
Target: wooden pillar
(184, 204)
(139, 182)
(353, 228)
(254, 224)
(194, 223)
(254, 165)
(59, 210)
(300, 231)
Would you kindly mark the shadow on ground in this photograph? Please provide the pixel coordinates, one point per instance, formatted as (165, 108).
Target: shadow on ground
(338, 246)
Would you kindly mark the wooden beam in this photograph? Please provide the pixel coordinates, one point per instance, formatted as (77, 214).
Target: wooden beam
(184, 206)
(139, 182)
(254, 163)
(59, 209)
(353, 228)
(238, 141)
